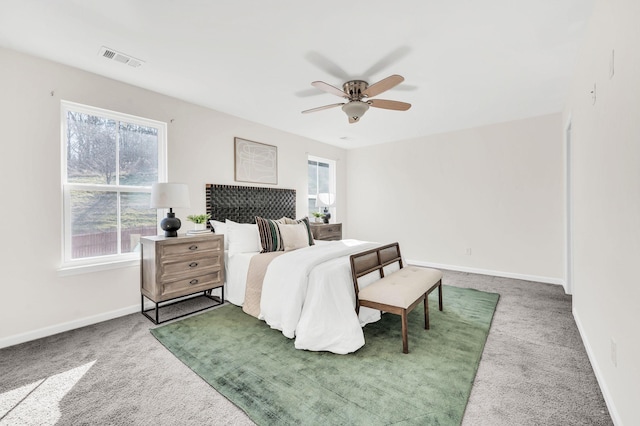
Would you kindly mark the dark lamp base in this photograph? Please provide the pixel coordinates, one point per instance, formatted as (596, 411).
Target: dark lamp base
(326, 216)
(170, 225)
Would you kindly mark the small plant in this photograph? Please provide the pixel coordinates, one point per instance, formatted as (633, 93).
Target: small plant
(317, 214)
(199, 218)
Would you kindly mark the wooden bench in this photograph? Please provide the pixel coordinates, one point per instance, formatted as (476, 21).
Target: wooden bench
(397, 292)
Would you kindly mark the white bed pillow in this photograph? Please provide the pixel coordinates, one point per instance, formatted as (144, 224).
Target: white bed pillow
(294, 236)
(243, 237)
(220, 228)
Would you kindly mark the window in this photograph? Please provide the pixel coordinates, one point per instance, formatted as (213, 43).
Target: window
(109, 162)
(322, 180)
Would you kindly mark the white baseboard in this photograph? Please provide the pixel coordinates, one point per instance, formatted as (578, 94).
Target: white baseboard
(536, 278)
(59, 328)
(613, 412)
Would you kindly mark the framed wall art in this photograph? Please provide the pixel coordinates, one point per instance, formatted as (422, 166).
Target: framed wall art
(255, 162)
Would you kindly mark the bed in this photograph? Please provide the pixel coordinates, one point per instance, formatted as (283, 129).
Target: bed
(305, 292)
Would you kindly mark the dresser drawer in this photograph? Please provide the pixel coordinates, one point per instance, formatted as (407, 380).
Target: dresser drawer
(169, 260)
(189, 248)
(194, 265)
(185, 286)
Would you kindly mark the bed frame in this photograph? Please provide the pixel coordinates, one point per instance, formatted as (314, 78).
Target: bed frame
(243, 203)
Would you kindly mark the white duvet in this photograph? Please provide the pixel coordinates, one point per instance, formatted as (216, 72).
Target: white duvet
(308, 294)
(236, 267)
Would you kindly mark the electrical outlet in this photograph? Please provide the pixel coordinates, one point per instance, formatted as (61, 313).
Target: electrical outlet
(614, 352)
(468, 252)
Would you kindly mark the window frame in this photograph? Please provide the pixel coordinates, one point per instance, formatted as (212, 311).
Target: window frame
(332, 180)
(68, 265)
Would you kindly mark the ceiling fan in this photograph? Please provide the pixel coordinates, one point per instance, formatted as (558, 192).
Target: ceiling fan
(358, 92)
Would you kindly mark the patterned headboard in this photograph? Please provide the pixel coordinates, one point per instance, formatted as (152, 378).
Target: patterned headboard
(242, 203)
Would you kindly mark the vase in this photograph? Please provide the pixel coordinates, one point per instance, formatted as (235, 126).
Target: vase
(199, 226)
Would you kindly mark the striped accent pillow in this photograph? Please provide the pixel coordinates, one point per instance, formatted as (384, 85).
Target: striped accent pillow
(304, 220)
(270, 237)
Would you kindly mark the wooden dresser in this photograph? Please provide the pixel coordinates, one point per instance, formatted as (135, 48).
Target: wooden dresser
(326, 231)
(180, 266)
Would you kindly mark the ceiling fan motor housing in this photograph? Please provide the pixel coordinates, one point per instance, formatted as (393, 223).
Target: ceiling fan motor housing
(355, 89)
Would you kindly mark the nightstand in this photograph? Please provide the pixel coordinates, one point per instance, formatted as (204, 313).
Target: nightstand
(174, 267)
(326, 231)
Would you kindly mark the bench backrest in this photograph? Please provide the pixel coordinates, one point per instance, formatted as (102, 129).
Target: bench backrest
(369, 261)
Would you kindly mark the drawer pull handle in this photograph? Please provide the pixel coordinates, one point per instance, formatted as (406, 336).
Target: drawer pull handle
(193, 264)
(330, 230)
(193, 247)
(193, 281)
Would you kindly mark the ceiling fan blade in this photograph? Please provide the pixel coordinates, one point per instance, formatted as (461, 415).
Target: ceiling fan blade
(386, 104)
(308, 93)
(329, 88)
(327, 65)
(321, 108)
(405, 88)
(383, 85)
(389, 59)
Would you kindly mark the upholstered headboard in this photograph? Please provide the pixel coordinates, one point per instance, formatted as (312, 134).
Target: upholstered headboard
(242, 203)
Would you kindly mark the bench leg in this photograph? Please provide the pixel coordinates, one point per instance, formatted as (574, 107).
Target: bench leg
(440, 295)
(426, 311)
(405, 337)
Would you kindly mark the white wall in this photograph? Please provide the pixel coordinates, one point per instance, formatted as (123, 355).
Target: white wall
(497, 190)
(606, 202)
(35, 300)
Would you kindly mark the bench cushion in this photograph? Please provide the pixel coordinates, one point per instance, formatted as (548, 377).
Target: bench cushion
(402, 287)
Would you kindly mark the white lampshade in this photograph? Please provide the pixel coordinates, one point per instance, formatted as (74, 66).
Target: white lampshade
(325, 199)
(355, 109)
(169, 195)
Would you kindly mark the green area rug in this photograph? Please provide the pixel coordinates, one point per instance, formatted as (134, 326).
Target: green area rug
(260, 371)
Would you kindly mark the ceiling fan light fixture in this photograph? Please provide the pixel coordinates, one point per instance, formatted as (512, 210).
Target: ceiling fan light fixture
(355, 109)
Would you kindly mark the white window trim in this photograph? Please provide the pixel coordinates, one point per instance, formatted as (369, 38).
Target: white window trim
(70, 266)
(100, 264)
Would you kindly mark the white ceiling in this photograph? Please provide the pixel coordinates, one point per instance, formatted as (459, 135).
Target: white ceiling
(466, 62)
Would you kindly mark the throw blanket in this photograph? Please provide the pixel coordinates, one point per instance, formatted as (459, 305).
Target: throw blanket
(308, 294)
(255, 275)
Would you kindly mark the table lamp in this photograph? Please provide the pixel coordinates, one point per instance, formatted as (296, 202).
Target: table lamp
(167, 196)
(325, 199)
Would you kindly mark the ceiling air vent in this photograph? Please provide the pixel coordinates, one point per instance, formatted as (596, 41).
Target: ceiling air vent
(108, 53)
